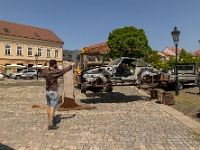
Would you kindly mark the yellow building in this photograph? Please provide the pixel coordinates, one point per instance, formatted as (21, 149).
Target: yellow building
(20, 43)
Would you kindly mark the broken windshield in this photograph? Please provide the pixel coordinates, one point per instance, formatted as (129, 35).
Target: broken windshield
(115, 62)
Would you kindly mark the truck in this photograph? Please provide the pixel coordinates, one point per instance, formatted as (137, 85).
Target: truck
(188, 73)
(87, 58)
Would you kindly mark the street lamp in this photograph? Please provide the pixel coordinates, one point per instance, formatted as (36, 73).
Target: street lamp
(36, 60)
(175, 36)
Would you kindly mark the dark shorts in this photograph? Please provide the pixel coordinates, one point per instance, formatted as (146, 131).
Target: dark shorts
(52, 98)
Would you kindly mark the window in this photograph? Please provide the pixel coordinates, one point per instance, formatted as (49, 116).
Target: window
(48, 53)
(6, 30)
(24, 72)
(7, 50)
(30, 51)
(56, 53)
(36, 34)
(141, 63)
(19, 50)
(39, 52)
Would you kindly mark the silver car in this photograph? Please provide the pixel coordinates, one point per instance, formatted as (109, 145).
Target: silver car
(25, 73)
(1, 75)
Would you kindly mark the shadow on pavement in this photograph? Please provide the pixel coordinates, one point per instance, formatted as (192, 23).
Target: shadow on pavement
(198, 114)
(166, 88)
(5, 147)
(191, 93)
(57, 119)
(113, 97)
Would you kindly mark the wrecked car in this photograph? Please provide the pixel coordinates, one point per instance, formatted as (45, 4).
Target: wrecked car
(122, 71)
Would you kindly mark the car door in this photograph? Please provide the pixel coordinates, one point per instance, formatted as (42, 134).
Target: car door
(30, 73)
(24, 74)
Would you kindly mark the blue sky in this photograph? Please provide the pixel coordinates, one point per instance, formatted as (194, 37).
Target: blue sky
(82, 23)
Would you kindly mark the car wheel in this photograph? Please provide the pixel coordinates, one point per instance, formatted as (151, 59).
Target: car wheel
(34, 77)
(18, 77)
(83, 88)
(180, 85)
(78, 86)
(107, 89)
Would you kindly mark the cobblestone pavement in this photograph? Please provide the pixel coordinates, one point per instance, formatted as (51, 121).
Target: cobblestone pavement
(122, 120)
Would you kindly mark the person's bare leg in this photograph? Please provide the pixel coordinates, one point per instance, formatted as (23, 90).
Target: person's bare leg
(48, 112)
(51, 115)
(51, 112)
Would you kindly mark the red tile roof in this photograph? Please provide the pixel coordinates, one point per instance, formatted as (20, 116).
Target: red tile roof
(197, 52)
(25, 31)
(166, 54)
(99, 48)
(174, 49)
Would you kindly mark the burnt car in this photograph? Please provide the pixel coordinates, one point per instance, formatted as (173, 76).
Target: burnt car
(122, 71)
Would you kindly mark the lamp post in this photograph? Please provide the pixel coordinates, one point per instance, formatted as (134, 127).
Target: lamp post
(36, 60)
(175, 36)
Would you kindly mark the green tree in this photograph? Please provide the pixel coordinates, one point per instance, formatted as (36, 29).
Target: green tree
(155, 60)
(169, 64)
(128, 41)
(185, 57)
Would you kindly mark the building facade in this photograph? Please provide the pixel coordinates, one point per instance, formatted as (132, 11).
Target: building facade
(20, 43)
(169, 51)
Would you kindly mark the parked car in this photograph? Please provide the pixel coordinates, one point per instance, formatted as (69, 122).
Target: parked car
(25, 73)
(1, 75)
(122, 71)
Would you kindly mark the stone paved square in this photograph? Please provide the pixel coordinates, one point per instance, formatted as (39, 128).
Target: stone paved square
(122, 120)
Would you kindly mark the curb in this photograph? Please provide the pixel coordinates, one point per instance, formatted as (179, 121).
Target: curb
(189, 122)
(192, 124)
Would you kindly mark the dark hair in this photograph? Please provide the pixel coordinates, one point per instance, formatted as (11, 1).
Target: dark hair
(52, 62)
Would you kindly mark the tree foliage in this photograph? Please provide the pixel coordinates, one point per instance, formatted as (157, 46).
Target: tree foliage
(154, 59)
(169, 64)
(185, 57)
(132, 42)
(128, 41)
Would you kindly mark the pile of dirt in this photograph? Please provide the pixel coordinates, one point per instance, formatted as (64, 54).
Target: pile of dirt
(38, 106)
(70, 104)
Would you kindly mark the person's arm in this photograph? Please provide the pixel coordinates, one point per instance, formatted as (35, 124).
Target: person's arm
(60, 72)
(44, 64)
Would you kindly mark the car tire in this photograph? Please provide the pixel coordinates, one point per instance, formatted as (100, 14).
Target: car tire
(180, 85)
(83, 88)
(107, 89)
(18, 77)
(34, 77)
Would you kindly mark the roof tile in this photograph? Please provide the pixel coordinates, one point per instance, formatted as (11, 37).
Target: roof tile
(197, 52)
(25, 31)
(174, 49)
(99, 48)
(166, 54)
